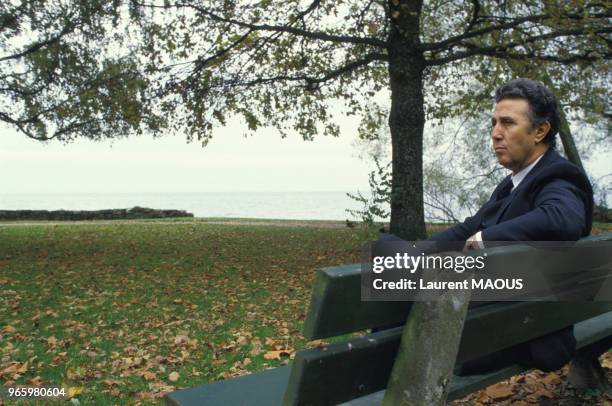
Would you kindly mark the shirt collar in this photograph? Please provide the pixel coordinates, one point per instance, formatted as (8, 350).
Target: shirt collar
(518, 178)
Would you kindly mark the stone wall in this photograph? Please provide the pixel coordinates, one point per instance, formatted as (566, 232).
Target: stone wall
(110, 214)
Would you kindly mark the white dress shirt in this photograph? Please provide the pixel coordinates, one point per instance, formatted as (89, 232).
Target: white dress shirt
(518, 178)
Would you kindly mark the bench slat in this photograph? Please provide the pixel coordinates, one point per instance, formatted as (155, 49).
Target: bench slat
(586, 332)
(361, 365)
(336, 307)
(262, 388)
(266, 388)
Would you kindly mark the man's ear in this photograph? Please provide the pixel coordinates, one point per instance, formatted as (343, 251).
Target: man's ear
(541, 131)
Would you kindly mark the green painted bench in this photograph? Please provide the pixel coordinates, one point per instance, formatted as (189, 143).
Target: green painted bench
(356, 371)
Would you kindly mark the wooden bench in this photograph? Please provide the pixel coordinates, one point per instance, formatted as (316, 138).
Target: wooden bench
(357, 369)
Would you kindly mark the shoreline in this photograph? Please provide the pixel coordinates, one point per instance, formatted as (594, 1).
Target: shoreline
(598, 227)
(189, 220)
(223, 221)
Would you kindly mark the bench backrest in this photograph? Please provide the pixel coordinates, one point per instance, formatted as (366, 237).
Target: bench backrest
(361, 365)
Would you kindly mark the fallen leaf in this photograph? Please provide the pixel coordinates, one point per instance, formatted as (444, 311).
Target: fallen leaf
(482, 398)
(256, 349)
(9, 329)
(181, 339)
(110, 383)
(277, 354)
(551, 379)
(316, 343)
(543, 393)
(74, 391)
(217, 362)
(23, 368)
(146, 395)
(149, 376)
(500, 391)
(36, 381)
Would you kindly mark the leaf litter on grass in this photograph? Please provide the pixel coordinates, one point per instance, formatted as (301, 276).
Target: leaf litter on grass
(128, 312)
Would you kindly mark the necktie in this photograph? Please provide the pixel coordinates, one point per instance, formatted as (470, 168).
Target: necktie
(505, 190)
(490, 213)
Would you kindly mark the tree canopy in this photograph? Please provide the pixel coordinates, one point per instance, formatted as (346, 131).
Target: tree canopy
(104, 69)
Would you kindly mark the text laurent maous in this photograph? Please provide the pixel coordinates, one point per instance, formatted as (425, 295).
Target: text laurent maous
(407, 284)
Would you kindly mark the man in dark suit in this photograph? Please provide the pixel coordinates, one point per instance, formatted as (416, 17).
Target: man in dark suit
(545, 198)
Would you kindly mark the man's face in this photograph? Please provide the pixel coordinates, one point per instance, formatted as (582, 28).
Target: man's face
(513, 142)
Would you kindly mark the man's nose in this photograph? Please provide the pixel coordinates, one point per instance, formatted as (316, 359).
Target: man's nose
(496, 132)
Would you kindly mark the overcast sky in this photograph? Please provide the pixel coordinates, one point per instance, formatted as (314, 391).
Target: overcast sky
(230, 162)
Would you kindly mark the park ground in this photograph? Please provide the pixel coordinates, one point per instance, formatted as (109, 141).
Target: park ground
(123, 312)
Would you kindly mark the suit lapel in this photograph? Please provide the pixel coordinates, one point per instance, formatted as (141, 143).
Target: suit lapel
(548, 157)
(491, 208)
(505, 205)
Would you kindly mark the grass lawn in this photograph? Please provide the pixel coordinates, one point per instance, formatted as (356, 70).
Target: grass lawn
(124, 312)
(129, 311)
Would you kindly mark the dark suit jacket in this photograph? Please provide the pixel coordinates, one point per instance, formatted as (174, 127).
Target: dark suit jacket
(554, 202)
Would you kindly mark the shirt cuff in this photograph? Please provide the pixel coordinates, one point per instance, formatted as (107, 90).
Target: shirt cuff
(478, 239)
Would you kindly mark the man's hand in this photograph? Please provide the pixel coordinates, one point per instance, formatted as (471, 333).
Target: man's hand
(474, 242)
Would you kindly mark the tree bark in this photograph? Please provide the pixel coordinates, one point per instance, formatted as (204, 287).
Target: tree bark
(423, 367)
(568, 140)
(406, 119)
(564, 129)
(587, 373)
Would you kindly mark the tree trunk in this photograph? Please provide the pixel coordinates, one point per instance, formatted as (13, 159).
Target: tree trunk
(564, 129)
(406, 120)
(587, 373)
(568, 140)
(424, 363)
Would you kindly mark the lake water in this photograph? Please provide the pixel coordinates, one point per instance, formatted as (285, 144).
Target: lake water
(278, 205)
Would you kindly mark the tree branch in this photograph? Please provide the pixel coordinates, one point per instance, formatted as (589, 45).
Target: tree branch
(441, 207)
(475, 12)
(280, 28)
(501, 51)
(69, 28)
(457, 40)
(312, 82)
(201, 63)
(10, 18)
(313, 6)
(467, 35)
(586, 57)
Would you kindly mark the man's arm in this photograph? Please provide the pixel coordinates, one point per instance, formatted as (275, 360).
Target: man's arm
(461, 231)
(559, 215)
